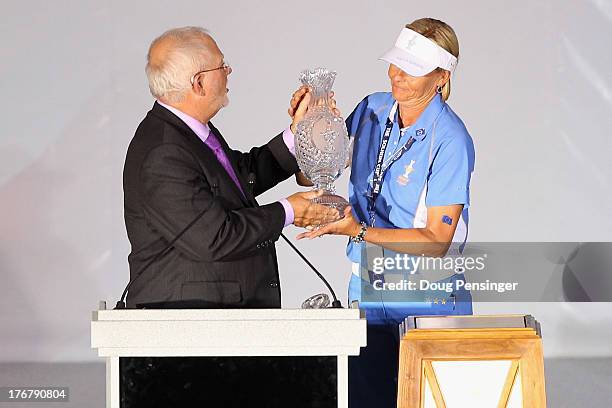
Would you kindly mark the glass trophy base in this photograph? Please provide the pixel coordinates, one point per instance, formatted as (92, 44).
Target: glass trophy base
(320, 301)
(333, 201)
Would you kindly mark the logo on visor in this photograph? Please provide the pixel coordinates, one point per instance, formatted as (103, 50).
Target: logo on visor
(410, 43)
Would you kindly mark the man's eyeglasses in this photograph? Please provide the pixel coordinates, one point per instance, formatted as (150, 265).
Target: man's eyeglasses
(225, 67)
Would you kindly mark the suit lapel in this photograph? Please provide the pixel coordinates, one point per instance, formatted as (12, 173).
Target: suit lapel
(206, 153)
(243, 183)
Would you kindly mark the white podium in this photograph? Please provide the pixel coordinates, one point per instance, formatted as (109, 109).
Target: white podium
(226, 332)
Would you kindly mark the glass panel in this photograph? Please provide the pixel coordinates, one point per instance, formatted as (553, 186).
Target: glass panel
(471, 383)
(429, 399)
(516, 396)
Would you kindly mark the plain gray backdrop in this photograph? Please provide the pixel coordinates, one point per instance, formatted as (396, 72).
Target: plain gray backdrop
(533, 86)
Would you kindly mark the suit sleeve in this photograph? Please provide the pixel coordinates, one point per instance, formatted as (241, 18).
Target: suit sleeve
(271, 164)
(175, 192)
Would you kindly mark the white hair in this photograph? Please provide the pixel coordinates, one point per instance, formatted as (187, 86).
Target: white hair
(169, 78)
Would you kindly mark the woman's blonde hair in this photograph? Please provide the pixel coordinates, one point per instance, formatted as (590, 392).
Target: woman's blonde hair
(443, 35)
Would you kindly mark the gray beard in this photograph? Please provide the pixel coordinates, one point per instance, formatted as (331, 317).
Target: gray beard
(226, 101)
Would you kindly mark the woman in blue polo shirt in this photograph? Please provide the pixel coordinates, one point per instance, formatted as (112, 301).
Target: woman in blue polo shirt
(409, 193)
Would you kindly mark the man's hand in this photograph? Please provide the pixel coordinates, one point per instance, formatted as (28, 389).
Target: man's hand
(307, 213)
(298, 105)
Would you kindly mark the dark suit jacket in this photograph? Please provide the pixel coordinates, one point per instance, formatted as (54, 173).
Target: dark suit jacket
(228, 256)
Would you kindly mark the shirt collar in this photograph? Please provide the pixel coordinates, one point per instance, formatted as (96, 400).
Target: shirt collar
(426, 119)
(200, 129)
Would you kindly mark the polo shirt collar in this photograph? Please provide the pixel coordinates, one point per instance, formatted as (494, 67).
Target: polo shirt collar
(426, 119)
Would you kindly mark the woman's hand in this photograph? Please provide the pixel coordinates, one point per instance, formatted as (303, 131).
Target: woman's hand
(346, 226)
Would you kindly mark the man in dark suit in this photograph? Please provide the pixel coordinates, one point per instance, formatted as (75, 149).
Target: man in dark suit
(179, 167)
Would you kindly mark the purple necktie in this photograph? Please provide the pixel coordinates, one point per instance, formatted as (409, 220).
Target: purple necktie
(215, 145)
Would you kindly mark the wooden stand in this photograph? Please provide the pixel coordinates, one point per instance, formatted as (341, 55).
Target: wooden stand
(427, 339)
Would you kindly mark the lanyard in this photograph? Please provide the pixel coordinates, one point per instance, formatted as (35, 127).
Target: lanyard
(382, 166)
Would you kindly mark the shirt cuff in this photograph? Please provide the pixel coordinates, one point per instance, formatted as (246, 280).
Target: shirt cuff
(289, 214)
(289, 140)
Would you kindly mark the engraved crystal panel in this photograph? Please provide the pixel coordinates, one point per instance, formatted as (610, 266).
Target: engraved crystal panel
(321, 141)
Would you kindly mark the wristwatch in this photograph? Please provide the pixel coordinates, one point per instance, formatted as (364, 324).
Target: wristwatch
(360, 236)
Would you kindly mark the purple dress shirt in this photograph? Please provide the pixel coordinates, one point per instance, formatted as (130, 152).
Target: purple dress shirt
(203, 132)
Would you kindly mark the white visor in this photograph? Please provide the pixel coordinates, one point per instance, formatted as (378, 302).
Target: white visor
(418, 55)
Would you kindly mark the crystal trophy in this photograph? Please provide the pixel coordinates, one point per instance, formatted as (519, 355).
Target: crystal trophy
(321, 142)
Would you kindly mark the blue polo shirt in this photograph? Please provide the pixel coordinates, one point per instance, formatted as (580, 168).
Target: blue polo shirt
(435, 171)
